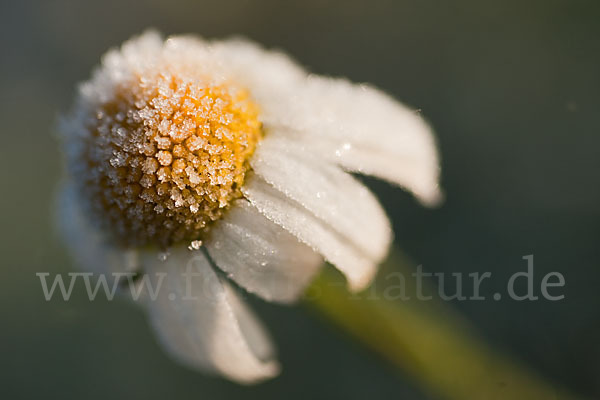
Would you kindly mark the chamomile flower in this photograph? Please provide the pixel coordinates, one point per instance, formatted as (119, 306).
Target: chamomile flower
(185, 156)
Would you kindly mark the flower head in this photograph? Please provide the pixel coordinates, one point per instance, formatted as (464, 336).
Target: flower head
(180, 142)
(165, 151)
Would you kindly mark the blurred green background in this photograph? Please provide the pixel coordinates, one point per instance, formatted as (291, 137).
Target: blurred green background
(513, 91)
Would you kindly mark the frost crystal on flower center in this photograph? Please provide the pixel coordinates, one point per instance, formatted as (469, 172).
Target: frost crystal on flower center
(166, 155)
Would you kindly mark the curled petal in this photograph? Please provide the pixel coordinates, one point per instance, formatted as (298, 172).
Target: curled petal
(332, 195)
(261, 256)
(201, 321)
(364, 130)
(292, 216)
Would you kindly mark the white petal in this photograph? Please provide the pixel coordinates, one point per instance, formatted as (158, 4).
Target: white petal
(85, 243)
(333, 196)
(335, 248)
(200, 320)
(269, 75)
(365, 130)
(261, 256)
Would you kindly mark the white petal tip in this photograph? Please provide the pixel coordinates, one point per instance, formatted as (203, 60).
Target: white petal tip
(206, 325)
(434, 198)
(256, 375)
(358, 283)
(266, 372)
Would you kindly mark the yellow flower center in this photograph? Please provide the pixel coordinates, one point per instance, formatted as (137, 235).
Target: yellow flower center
(166, 156)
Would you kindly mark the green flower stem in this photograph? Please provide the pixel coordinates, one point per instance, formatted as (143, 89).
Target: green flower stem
(427, 340)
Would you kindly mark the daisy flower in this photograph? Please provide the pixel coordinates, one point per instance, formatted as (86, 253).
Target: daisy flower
(185, 157)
